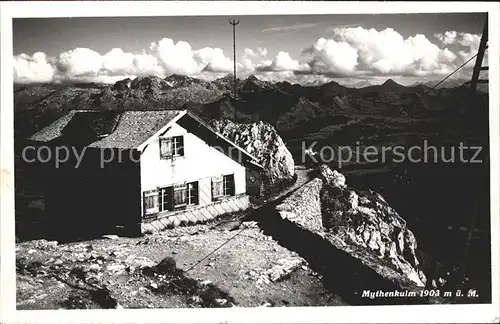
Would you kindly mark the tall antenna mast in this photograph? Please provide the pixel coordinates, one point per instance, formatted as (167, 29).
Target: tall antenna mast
(234, 22)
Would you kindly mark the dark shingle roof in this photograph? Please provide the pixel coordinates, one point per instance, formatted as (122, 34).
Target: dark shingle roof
(127, 129)
(96, 123)
(54, 130)
(135, 127)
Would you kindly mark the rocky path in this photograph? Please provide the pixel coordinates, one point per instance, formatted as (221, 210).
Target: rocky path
(302, 178)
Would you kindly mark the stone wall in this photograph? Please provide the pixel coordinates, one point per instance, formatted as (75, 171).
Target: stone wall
(303, 207)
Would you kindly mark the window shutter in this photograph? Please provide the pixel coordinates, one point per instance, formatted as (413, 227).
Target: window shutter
(151, 202)
(180, 145)
(230, 184)
(166, 150)
(217, 187)
(180, 195)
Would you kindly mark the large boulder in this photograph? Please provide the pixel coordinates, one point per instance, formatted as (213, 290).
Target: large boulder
(262, 141)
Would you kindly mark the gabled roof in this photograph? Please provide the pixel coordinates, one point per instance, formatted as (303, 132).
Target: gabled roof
(136, 127)
(128, 129)
(53, 130)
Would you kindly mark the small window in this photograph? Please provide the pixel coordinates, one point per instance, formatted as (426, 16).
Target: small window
(151, 202)
(223, 186)
(178, 196)
(171, 147)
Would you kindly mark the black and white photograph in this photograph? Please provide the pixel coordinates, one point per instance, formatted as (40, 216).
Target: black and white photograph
(250, 158)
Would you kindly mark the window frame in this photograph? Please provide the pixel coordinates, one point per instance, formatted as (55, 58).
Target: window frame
(227, 190)
(176, 147)
(191, 196)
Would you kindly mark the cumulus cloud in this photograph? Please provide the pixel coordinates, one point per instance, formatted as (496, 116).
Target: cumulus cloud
(470, 40)
(146, 64)
(251, 60)
(117, 61)
(79, 61)
(466, 43)
(262, 51)
(349, 52)
(258, 53)
(163, 57)
(360, 51)
(282, 62)
(35, 68)
(250, 52)
(447, 38)
(332, 57)
(177, 57)
(213, 59)
(464, 39)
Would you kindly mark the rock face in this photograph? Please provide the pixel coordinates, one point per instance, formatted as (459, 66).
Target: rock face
(152, 83)
(365, 219)
(122, 84)
(359, 224)
(262, 141)
(302, 111)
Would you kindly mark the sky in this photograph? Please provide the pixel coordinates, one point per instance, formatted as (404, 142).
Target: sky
(301, 48)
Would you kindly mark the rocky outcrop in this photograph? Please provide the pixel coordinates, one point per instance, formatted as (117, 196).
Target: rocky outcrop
(149, 83)
(179, 81)
(363, 218)
(122, 85)
(359, 224)
(252, 83)
(226, 83)
(262, 141)
(300, 113)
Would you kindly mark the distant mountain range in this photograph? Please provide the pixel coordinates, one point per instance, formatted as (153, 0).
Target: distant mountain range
(449, 83)
(362, 84)
(282, 104)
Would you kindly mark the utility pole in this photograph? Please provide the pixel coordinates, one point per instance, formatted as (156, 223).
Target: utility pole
(234, 22)
(479, 60)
